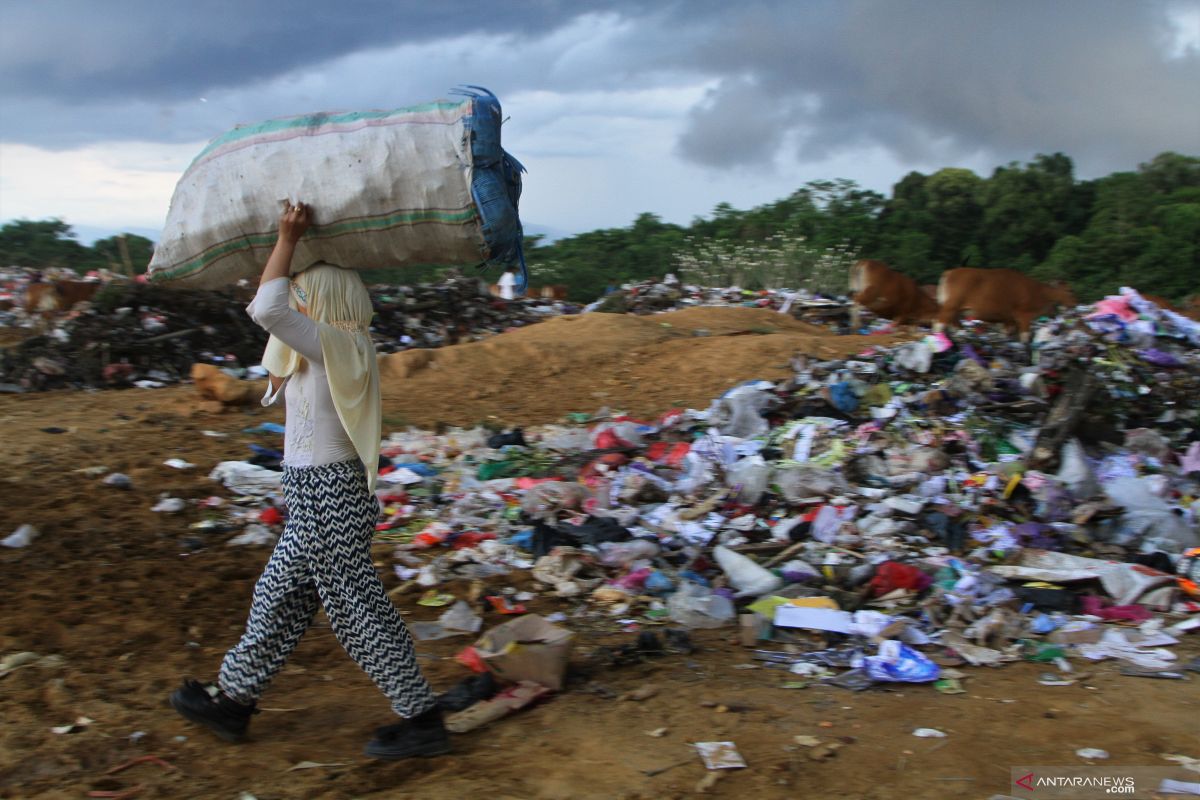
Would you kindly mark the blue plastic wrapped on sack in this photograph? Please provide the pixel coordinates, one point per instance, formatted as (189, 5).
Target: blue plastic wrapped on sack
(495, 183)
(899, 663)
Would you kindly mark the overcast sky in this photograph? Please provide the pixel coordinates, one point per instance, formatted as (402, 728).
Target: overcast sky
(615, 107)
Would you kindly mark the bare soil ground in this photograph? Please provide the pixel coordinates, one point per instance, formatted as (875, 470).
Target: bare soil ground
(109, 589)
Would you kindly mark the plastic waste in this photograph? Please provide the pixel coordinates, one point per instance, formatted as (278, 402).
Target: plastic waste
(170, 505)
(547, 499)
(1044, 653)
(897, 662)
(118, 480)
(1092, 753)
(436, 533)
(802, 481)
(246, 478)
(659, 583)
(750, 477)
(893, 575)
(259, 535)
(460, 617)
(696, 606)
(746, 575)
(738, 412)
(1075, 471)
(797, 571)
(620, 554)
(829, 519)
(697, 474)
(1149, 516)
(23, 536)
(915, 356)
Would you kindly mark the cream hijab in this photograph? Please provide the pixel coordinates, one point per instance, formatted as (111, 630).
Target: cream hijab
(340, 305)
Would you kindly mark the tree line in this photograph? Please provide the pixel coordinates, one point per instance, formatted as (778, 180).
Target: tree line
(46, 243)
(1138, 228)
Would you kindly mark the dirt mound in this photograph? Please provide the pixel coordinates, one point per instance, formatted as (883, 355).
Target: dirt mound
(643, 365)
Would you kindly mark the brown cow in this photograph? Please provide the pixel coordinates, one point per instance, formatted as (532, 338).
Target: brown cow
(888, 294)
(58, 296)
(556, 291)
(998, 295)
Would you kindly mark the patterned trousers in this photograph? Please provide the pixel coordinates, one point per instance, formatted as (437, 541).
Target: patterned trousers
(324, 556)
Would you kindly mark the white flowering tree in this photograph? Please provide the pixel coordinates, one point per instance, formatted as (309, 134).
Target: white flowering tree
(779, 261)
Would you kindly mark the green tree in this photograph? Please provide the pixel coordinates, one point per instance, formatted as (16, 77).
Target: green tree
(1169, 172)
(1026, 209)
(125, 252)
(954, 213)
(43, 243)
(907, 230)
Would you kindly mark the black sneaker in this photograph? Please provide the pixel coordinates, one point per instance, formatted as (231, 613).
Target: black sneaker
(468, 692)
(207, 705)
(423, 735)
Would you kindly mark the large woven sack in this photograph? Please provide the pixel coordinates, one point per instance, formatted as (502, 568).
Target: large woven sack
(428, 184)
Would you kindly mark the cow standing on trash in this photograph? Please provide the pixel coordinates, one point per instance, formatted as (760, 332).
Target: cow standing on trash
(998, 295)
(888, 294)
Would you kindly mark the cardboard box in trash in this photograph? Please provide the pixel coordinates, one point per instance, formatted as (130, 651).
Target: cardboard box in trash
(1077, 632)
(527, 648)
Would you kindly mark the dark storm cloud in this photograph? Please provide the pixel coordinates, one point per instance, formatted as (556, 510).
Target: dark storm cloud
(928, 78)
(161, 49)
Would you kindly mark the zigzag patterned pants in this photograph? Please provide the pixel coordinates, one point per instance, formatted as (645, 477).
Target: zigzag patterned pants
(324, 556)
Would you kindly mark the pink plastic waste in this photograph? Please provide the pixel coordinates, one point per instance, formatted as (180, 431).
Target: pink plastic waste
(1117, 307)
(1099, 607)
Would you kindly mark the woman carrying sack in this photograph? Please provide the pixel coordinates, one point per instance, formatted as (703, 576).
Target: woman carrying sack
(320, 356)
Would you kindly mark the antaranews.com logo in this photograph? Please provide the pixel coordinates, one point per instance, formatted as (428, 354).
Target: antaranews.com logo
(1113, 785)
(1089, 783)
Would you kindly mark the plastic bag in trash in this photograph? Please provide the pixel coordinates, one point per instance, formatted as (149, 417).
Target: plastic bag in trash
(696, 606)
(745, 574)
(843, 397)
(545, 500)
(246, 478)
(460, 617)
(1150, 517)
(1075, 471)
(750, 476)
(801, 481)
(829, 519)
(1151, 443)
(897, 662)
(738, 412)
(914, 356)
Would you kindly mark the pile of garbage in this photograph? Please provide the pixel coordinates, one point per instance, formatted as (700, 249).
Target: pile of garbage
(132, 333)
(139, 334)
(456, 309)
(669, 294)
(887, 518)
